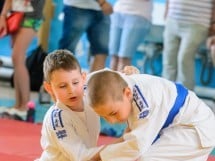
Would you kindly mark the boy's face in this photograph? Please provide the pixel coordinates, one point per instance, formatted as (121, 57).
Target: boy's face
(67, 87)
(118, 111)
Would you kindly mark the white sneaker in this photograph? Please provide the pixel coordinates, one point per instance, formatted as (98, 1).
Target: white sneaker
(15, 112)
(4, 109)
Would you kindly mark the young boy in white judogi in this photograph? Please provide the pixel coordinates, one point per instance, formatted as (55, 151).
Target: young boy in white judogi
(70, 128)
(167, 122)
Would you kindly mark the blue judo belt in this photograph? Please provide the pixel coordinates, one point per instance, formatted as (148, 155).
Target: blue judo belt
(179, 102)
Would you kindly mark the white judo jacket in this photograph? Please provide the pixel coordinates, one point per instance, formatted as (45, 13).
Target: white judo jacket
(153, 99)
(69, 135)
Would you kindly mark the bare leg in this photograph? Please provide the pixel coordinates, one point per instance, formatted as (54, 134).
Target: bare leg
(123, 62)
(114, 62)
(98, 62)
(21, 41)
(213, 54)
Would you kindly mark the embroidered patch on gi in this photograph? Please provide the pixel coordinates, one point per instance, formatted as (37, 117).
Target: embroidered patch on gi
(56, 119)
(61, 134)
(139, 99)
(143, 114)
(57, 124)
(140, 102)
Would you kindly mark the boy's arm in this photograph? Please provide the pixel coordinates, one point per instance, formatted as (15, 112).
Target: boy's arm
(3, 15)
(6, 7)
(212, 25)
(118, 140)
(97, 157)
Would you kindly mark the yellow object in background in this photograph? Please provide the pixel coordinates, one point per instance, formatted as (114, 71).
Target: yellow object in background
(48, 13)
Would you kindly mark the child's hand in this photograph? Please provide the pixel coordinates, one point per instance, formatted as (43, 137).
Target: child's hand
(3, 26)
(129, 70)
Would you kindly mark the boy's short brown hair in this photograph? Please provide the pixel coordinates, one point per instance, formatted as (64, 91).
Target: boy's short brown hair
(59, 59)
(104, 86)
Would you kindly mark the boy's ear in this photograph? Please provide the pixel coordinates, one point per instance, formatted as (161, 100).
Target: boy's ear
(47, 87)
(128, 93)
(84, 76)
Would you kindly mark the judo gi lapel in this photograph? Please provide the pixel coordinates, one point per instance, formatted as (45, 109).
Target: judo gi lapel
(79, 126)
(93, 124)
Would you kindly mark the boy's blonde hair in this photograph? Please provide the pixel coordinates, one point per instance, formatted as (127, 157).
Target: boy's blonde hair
(59, 59)
(104, 86)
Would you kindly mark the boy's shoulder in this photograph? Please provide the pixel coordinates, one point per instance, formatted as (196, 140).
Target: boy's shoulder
(57, 117)
(56, 112)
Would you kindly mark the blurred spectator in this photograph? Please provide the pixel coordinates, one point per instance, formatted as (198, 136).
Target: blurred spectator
(88, 16)
(130, 23)
(187, 27)
(20, 43)
(211, 47)
(1, 5)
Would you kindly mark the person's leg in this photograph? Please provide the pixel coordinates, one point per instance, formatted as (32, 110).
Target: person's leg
(115, 36)
(212, 52)
(192, 36)
(114, 62)
(210, 43)
(21, 42)
(75, 23)
(170, 51)
(135, 28)
(122, 62)
(98, 62)
(1, 62)
(98, 36)
(178, 143)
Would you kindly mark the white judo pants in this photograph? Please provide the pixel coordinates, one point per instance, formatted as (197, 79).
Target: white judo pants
(180, 143)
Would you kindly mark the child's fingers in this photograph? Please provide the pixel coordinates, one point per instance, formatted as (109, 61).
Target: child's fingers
(128, 70)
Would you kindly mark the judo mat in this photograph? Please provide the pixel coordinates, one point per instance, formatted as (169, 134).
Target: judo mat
(20, 141)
